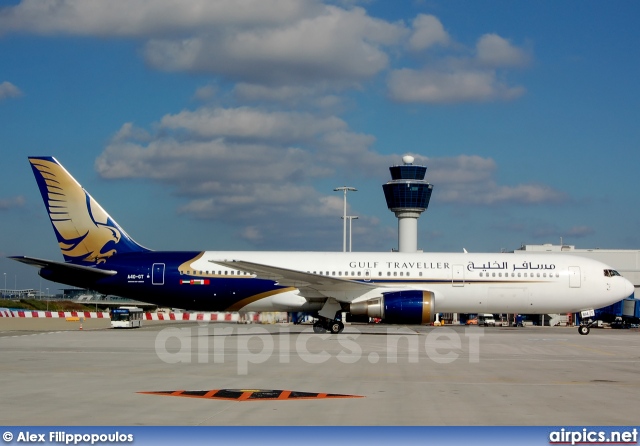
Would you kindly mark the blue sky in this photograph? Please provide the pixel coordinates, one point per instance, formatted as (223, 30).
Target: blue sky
(225, 125)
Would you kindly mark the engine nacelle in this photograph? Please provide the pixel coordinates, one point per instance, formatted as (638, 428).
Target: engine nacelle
(399, 307)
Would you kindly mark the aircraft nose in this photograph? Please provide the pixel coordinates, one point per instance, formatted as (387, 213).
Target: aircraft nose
(629, 289)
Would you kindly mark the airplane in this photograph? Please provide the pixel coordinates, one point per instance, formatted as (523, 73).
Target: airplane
(400, 288)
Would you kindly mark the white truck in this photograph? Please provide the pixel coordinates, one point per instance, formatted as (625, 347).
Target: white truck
(486, 320)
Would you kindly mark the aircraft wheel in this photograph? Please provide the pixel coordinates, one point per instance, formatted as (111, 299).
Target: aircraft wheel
(318, 328)
(584, 330)
(336, 327)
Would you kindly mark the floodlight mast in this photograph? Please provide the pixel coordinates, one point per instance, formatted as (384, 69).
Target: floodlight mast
(345, 189)
(351, 218)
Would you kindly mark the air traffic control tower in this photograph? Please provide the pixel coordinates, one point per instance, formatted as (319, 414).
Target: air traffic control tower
(408, 196)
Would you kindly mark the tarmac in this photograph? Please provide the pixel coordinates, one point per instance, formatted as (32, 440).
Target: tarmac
(54, 373)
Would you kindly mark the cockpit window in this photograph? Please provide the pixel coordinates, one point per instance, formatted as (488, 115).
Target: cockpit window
(611, 273)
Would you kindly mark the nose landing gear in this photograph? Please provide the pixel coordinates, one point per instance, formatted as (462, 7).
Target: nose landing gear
(586, 321)
(584, 329)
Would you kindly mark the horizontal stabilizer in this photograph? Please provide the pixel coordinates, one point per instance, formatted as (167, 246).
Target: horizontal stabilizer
(61, 266)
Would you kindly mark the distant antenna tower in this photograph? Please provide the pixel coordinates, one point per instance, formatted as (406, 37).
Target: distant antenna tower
(408, 196)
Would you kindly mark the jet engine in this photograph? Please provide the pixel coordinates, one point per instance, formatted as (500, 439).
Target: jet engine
(399, 307)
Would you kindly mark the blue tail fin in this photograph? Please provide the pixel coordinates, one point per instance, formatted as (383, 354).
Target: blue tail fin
(87, 235)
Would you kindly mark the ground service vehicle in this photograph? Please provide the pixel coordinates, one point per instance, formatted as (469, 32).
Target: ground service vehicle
(126, 317)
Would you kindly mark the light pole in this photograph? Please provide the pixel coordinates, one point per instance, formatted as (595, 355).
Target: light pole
(344, 214)
(5, 285)
(47, 299)
(351, 218)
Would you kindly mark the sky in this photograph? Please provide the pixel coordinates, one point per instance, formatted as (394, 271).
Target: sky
(226, 125)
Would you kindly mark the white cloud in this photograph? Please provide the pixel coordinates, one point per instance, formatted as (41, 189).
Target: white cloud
(11, 203)
(144, 18)
(252, 233)
(461, 169)
(246, 165)
(547, 231)
(252, 123)
(427, 32)
(316, 96)
(496, 51)
(463, 85)
(205, 93)
(290, 51)
(128, 132)
(470, 180)
(580, 231)
(244, 153)
(337, 45)
(8, 90)
(265, 42)
(456, 74)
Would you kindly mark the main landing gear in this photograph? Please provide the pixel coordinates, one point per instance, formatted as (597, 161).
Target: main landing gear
(323, 325)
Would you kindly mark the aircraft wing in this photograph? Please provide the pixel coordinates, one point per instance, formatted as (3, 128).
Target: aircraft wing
(310, 285)
(64, 267)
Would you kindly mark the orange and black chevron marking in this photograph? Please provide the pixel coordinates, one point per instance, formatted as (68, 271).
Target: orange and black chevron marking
(249, 394)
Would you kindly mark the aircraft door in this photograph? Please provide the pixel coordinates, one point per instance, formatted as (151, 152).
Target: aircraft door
(574, 277)
(367, 275)
(157, 274)
(458, 275)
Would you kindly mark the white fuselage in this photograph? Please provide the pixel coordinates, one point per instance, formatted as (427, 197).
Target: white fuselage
(531, 283)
